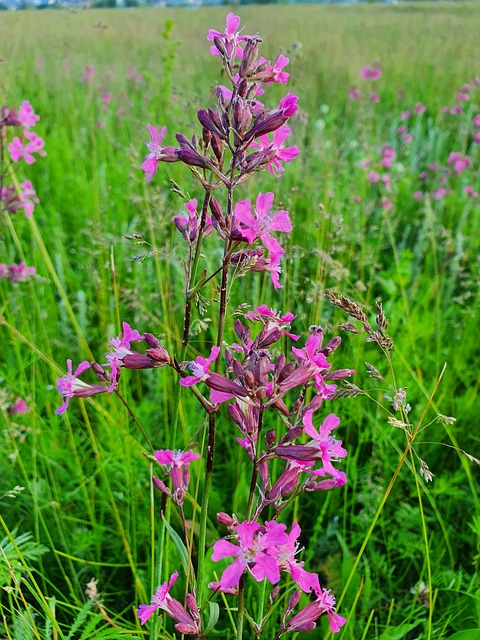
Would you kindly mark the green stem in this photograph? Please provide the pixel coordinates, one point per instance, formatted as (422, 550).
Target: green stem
(204, 513)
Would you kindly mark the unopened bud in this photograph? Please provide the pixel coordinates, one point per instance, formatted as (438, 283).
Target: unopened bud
(294, 600)
(151, 340)
(192, 158)
(159, 355)
(249, 379)
(270, 438)
(249, 57)
(161, 486)
(274, 595)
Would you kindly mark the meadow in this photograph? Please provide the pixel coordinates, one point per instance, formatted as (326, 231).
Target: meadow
(381, 212)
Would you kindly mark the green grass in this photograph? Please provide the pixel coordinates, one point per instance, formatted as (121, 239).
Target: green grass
(87, 494)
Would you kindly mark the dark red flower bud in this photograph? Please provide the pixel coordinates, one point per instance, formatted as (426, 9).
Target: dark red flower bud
(192, 158)
(159, 355)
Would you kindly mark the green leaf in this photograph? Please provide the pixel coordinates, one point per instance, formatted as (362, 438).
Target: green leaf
(177, 541)
(397, 633)
(213, 613)
(467, 634)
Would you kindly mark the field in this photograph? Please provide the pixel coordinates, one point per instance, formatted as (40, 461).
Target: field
(384, 203)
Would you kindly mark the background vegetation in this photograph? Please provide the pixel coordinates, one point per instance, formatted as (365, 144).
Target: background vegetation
(86, 509)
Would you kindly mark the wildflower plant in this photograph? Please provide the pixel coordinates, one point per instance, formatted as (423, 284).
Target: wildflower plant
(259, 382)
(18, 144)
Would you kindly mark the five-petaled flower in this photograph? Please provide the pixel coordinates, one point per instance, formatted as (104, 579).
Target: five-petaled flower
(200, 368)
(121, 348)
(187, 623)
(157, 153)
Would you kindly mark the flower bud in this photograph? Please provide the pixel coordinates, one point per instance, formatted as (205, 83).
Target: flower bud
(151, 340)
(270, 438)
(161, 486)
(192, 158)
(217, 147)
(250, 54)
(159, 355)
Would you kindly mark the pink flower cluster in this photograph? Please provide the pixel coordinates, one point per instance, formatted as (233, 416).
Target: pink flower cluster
(16, 272)
(264, 551)
(118, 357)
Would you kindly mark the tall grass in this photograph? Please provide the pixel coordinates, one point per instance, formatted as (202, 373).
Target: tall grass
(105, 250)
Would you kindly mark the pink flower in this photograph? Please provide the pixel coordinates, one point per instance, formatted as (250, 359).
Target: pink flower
(312, 355)
(121, 348)
(476, 121)
(374, 177)
(407, 138)
(88, 73)
(68, 385)
(260, 226)
(439, 193)
(420, 108)
(386, 204)
(405, 115)
(374, 97)
(463, 95)
(272, 319)
(35, 144)
(106, 97)
(19, 407)
(476, 138)
(277, 74)
(282, 154)
(353, 93)
(230, 37)
(285, 557)
(251, 553)
(200, 368)
(388, 156)
(288, 105)
(459, 162)
(272, 263)
(470, 192)
(25, 200)
(370, 73)
(418, 195)
(305, 619)
(26, 116)
(176, 464)
(16, 272)
(187, 623)
(156, 153)
(188, 226)
(456, 110)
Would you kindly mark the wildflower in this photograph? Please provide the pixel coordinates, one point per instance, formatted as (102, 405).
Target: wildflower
(459, 162)
(106, 97)
(305, 620)
(188, 226)
(187, 623)
(420, 108)
(312, 356)
(386, 204)
(285, 556)
(463, 95)
(418, 195)
(19, 407)
(353, 93)
(176, 464)
(277, 75)
(35, 144)
(14, 201)
(156, 153)
(374, 97)
(26, 116)
(282, 154)
(200, 368)
(370, 73)
(388, 156)
(16, 272)
(476, 121)
(251, 553)
(88, 73)
(272, 319)
(260, 226)
(229, 38)
(470, 192)
(121, 349)
(70, 386)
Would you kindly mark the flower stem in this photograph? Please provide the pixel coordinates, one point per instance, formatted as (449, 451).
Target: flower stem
(204, 513)
(126, 405)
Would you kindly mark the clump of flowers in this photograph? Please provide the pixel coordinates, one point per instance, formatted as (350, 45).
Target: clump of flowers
(261, 381)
